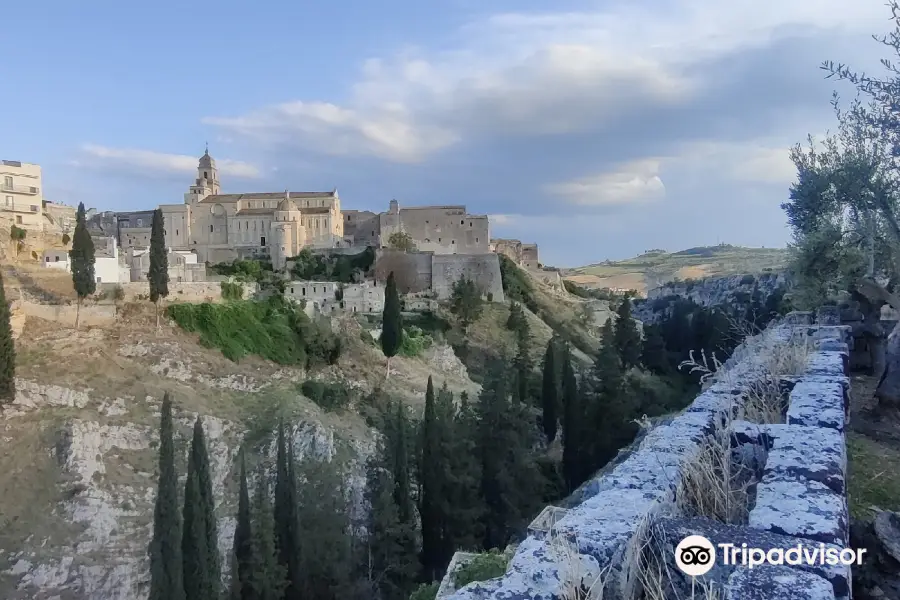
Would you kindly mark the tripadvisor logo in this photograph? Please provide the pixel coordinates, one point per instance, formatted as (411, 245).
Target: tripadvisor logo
(695, 555)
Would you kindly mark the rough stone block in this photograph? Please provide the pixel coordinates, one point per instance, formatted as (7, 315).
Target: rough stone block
(828, 315)
(789, 382)
(798, 318)
(671, 531)
(545, 523)
(770, 582)
(833, 346)
(802, 453)
(817, 404)
(826, 363)
(806, 509)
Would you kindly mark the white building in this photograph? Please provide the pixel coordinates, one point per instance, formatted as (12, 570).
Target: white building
(22, 194)
(183, 266)
(327, 297)
(106, 260)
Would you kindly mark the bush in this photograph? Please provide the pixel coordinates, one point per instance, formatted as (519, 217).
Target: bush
(331, 397)
(415, 341)
(232, 291)
(118, 293)
(343, 268)
(274, 329)
(516, 285)
(748, 280)
(481, 568)
(426, 591)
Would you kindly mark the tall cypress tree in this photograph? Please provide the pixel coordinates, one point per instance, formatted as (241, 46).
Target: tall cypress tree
(550, 392)
(7, 352)
(522, 362)
(392, 322)
(200, 550)
(243, 542)
(627, 338)
(434, 470)
(81, 258)
(166, 581)
(610, 409)
(158, 275)
(573, 418)
(464, 528)
(287, 522)
(266, 578)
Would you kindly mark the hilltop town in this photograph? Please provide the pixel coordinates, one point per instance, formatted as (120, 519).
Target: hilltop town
(428, 247)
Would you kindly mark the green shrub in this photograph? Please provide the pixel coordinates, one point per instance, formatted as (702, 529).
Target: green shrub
(274, 329)
(481, 568)
(232, 291)
(118, 293)
(748, 280)
(426, 591)
(331, 397)
(516, 285)
(343, 268)
(415, 341)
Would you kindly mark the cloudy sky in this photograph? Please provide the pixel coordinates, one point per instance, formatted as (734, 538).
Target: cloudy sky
(596, 129)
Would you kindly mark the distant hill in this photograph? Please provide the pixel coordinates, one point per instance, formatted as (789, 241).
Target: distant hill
(656, 267)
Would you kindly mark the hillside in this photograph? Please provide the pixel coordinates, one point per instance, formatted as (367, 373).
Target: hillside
(655, 268)
(79, 479)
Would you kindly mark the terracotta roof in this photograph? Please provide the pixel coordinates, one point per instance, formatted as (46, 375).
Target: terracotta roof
(264, 196)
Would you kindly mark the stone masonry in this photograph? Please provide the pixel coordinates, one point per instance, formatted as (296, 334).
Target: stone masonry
(800, 496)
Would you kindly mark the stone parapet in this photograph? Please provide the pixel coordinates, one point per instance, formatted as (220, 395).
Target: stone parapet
(800, 496)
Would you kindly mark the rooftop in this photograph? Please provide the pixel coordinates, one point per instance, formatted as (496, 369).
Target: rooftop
(267, 196)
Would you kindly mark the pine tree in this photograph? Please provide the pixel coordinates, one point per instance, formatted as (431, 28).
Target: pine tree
(200, 549)
(243, 542)
(653, 350)
(392, 322)
(522, 363)
(550, 392)
(435, 465)
(574, 469)
(464, 530)
(266, 578)
(7, 351)
(166, 580)
(287, 522)
(81, 257)
(158, 275)
(610, 412)
(627, 337)
(516, 317)
(392, 561)
(325, 562)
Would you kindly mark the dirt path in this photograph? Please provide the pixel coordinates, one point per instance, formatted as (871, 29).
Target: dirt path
(865, 416)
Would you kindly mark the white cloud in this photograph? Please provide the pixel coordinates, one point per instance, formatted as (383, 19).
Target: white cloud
(538, 74)
(157, 163)
(630, 183)
(753, 161)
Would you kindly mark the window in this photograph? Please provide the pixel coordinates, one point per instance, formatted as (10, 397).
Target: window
(452, 241)
(47, 259)
(19, 219)
(210, 228)
(262, 242)
(205, 175)
(439, 239)
(7, 182)
(476, 240)
(140, 222)
(303, 290)
(176, 232)
(9, 200)
(461, 222)
(470, 223)
(292, 290)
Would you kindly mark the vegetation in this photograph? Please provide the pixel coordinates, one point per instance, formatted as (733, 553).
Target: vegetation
(391, 323)
(166, 570)
(158, 275)
(82, 261)
(231, 290)
(402, 241)
(66, 239)
(17, 236)
(287, 519)
(245, 270)
(7, 351)
(343, 268)
(200, 540)
(415, 342)
(466, 302)
(481, 568)
(275, 329)
(331, 397)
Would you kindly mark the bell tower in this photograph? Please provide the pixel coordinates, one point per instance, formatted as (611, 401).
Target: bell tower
(207, 182)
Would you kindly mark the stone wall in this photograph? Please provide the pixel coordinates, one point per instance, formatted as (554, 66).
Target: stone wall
(411, 270)
(204, 291)
(800, 496)
(96, 314)
(483, 269)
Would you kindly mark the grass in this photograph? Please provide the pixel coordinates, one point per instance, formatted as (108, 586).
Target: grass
(485, 566)
(874, 476)
(652, 269)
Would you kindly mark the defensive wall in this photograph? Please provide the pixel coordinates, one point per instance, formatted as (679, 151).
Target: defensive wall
(632, 507)
(418, 272)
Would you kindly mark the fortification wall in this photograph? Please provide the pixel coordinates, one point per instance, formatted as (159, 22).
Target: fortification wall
(800, 496)
(201, 291)
(90, 315)
(412, 271)
(483, 269)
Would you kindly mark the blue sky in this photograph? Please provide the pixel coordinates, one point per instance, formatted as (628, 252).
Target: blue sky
(596, 129)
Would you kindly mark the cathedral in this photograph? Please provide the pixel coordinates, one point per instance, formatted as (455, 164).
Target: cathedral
(222, 227)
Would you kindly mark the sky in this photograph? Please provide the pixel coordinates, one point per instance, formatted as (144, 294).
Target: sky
(598, 130)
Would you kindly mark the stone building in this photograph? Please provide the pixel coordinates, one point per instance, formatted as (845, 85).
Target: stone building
(22, 194)
(438, 229)
(183, 266)
(106, 260)
(222, 227)
(133, 229)
(525, 255)
(327, 297)
(60, 216)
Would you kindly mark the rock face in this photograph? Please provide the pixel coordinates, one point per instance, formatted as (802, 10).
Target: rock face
(107, 465)
(799, 497)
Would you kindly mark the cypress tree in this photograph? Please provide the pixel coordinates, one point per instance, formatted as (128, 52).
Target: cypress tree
(392, 322)
(466, 507)
(550, 392)
(653, 350)
(433, 472)
(200, 550)
(158, 275)
(400, 470)
(266, 578)
(81, 257)
(522, 362)
(7, 352)
(627, 338)
(243, 541)
(166, 581)
(573, 418)
(287, 522)
(611, 410)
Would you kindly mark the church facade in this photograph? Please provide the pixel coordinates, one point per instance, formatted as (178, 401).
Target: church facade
(222, 227)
